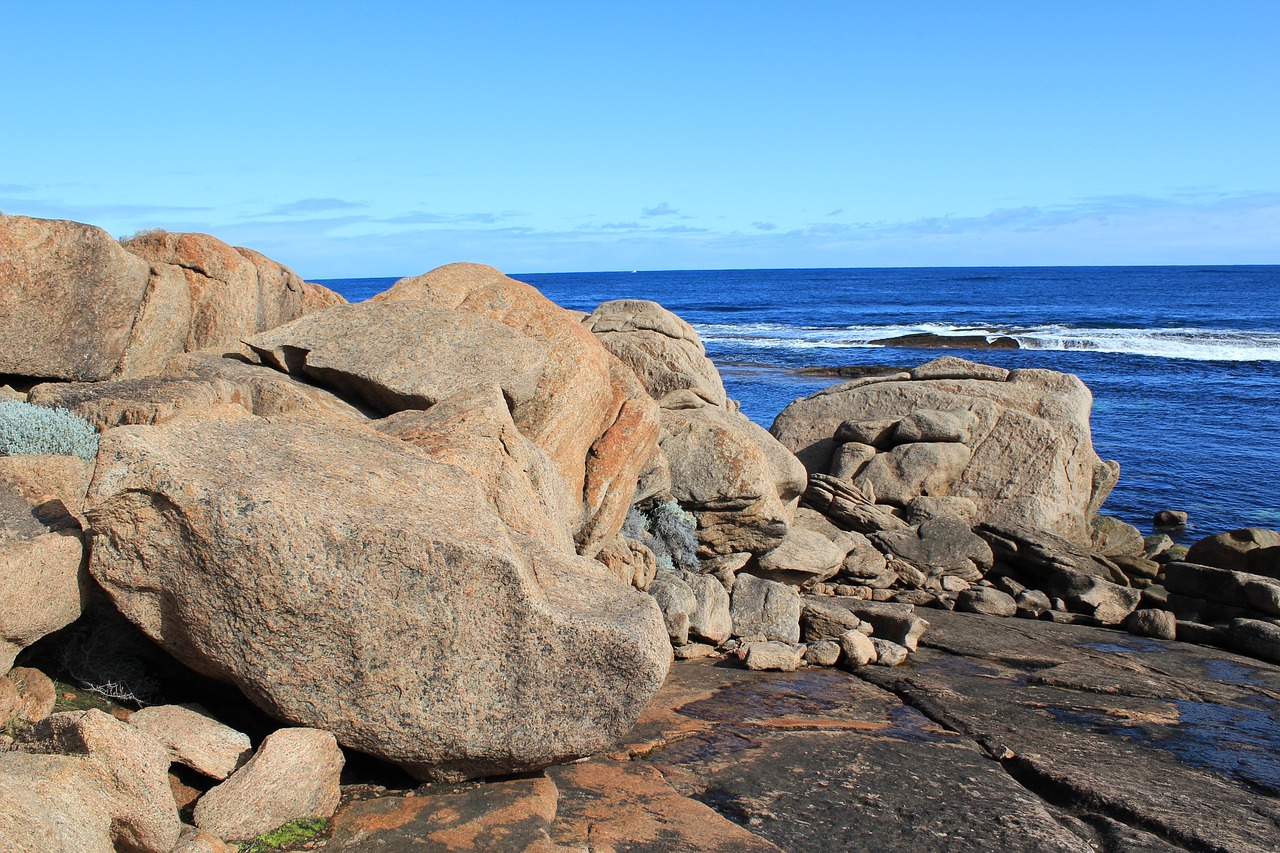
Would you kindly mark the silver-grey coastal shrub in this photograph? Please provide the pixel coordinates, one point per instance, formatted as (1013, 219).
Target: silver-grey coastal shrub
(27, 430)
(667, 530)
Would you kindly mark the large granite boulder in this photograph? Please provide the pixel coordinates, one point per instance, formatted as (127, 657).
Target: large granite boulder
(68, 298)
(345, 581)
(232, 292)
(77, 305)
(739, 482)
(1016, 443)
(587, 411)
(1253, 549)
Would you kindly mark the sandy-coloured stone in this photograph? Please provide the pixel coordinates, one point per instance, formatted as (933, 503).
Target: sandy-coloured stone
(822, 653)
(194, 738)
(711, 619)
(663, 350)
(589, 412)
(473, 429)
(987, 600)
(34, 691)
(1031, 461)
(42, 568)
(856, 648)
(772, 655)
(40, 480)
(293, 774)
(198, 841)
(765, 608)
(802, 559)
(68, 298)
(52, 803)
(630, 561)
(231, 292)
(849, 458)
(133, 769)
(392, 607)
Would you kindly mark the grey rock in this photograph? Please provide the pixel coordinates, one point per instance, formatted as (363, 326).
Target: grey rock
(824, 619)
(1112, 537)
(1160, 624)
(772, 655)
(933, 425)
(926, 508)
(1255, 638)
(765, 608)
(1033, 602)
(850, 458)
(1254, 550)
(1169, 519)
(677, 603)
(991, 602)
(856, 649)
(822, 653)
(889, 653)
(194, 738)
(940, 546)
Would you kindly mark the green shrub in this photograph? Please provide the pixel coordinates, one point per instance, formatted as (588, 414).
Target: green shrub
(27, 430)
(293, 832)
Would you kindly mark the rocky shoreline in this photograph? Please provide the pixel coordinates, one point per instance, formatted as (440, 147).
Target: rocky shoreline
(414, 572)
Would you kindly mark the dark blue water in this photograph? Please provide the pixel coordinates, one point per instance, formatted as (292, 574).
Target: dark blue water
(1184, 362)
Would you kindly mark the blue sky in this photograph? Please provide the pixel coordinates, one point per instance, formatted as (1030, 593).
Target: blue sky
(384, 139)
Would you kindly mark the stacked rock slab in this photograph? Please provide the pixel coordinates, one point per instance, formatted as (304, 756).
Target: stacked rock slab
(77, 305)
(1016, 443)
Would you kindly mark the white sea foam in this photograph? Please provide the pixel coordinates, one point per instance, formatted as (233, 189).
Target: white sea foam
(1186, 343)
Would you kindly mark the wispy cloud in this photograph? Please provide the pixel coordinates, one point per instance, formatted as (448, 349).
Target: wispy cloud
(16, 189)
(662, 209)
(304, 206)
(427, 218)
(764, 226)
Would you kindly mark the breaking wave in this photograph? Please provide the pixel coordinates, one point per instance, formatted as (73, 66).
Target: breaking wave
(1183, 343)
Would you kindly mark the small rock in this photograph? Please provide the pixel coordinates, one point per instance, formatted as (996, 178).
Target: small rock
(991, 602)
(10, 701)
(822, 653)
(36, 693)
(1154, 546)
(1169, 519)
(1032, 602)
(1160, 624)
(951, 583)
(1007, 584)
(198, 841)
(915, 597)
(853, 591)
(889, 653)
(765, 607)
(772, 655)
(294, 774)
(195, 739)
(857, 648)
(1256, 638)
(693, 651)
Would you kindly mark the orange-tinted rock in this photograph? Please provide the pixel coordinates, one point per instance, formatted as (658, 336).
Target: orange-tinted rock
(491, 818)
(68, 298)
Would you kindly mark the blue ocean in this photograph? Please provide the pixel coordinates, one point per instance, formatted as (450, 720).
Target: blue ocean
(1183, 362)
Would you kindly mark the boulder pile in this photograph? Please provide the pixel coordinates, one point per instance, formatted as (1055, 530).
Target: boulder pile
(465, 531)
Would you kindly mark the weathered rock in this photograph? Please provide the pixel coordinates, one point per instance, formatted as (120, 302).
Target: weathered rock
(849, 458)
(194, 738)
(890, 621)
(663, 350)
(1033, 602)
(1237, 589)
(588, 412)
(983, 599)
(1028, 461)
(802, 559)
(823, 619)
(693, 651)
(231, 293)
(1136, 567)
(1252, 550)
(34, 692)
(822, 653)
(630, 561)
(903, 473)
(491, 818)
(1038, 553)
(850, 504)
(68, 298)
(42, 568)
(723, 475)
(52, 803)
(676, 601)
(772, 655)
(1157, 545)
(327, 606)
(195, 840)
(711, 619)
(1255, 638)
(1169, 519)
(473, 430)
(765, 608)
(1112, 537)
(43, 480)
(925, 508)
(889, 653)
(294, 774)
(876, 433)
(856, 648)
(941, 546)
(1160, 624)
(1107, 602)
(267, 392)
(132, 768)
(931, 425)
